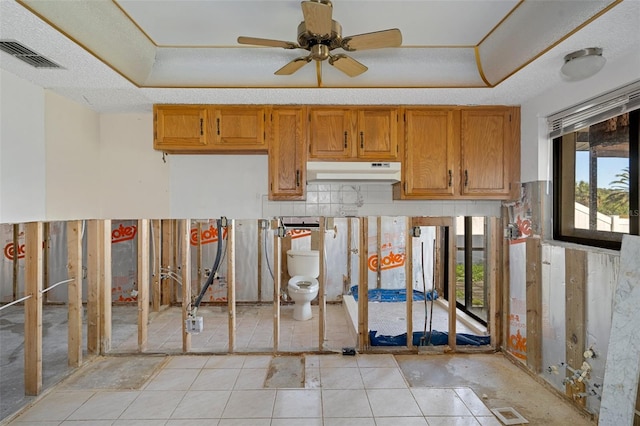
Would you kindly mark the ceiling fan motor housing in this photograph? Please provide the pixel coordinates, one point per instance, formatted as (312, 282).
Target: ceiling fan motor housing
(306, 39)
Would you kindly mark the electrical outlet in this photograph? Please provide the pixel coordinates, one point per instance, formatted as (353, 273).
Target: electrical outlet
(511, 232)
(194, 325)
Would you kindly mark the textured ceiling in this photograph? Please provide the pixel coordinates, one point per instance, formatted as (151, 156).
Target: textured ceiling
(123, 55)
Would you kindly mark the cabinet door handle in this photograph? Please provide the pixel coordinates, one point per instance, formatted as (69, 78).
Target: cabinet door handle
(218, 125)
(298, 177)
(345, 139)
(362, 140)
(201, 127)
(466, 178)
(450, 178)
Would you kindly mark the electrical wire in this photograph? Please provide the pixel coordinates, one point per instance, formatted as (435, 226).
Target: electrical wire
(266, 256)
(214, 269)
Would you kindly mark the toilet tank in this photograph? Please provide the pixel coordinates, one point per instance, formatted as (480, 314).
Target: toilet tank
(303, 262)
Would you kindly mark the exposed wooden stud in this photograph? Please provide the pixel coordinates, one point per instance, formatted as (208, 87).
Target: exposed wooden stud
(452, 284)
(199, 250)
(143, 284)
(47, 252)
(347, 282)
(231, 281)
(16, 259)
(33, 309)
(575, 317)
(534, 304)
(506, 283)
(494, 278)
(74, 290)
(408, 267)
(379, 252)
(93, 287)
(104, 237)
(322, 296)
(176, 259)
(167, 264)
(363, 287)
(277, 282)
(261, 235)
(156, 293)
(185, 268)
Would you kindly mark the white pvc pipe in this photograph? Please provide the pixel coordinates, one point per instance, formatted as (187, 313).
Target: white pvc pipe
(51, 287)
(14, 302)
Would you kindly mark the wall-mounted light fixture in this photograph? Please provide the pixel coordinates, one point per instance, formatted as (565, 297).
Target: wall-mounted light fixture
(582, 63)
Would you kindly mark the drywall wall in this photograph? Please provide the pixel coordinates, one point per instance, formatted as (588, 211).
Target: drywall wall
(72, 153)
(535, 145)
(210, 186)
(22, 142)
(134, 180)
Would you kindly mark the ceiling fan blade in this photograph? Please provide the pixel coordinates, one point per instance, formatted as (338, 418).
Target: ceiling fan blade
(267, 42)
(347, 65)
(317, 17)
(375, 40)
(293, 66)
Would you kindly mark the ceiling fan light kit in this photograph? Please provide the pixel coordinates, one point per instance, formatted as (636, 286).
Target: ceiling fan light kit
(582, 64)
(319, 34)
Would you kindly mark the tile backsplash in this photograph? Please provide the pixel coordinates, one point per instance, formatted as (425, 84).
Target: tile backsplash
(369, 199)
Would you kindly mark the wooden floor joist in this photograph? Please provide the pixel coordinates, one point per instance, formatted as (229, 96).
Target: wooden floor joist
(33, 309)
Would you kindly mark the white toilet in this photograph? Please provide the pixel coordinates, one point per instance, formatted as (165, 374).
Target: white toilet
(304, 267)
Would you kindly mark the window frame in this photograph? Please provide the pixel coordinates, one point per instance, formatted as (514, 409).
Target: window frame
(564, 195)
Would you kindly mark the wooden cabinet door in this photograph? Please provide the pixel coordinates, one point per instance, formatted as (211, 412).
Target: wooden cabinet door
(377, 136)
(431, 153)
(287, 154)
(238, 129)
(486, 151)
(179, 128)
(331, 134)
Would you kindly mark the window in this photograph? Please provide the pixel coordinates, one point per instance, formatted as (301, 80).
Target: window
(596, 180)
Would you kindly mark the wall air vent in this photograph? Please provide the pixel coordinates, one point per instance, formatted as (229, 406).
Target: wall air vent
(27, 55)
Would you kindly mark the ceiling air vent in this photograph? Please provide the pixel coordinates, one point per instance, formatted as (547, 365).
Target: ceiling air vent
(27, 55)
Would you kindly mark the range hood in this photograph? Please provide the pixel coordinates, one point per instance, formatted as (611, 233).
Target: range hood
(353, 171)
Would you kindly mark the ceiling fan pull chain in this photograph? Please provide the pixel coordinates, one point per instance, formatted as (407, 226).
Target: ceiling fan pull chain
(345, 139)
(450, 178)
(466, 178)
(362, 140)
(218, 125)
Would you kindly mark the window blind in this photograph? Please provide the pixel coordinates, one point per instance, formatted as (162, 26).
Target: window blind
(595, 110)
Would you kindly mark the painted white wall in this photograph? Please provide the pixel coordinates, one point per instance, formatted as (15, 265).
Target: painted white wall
(536, 146)
(211, 186)
(134, 181)
(72, 154)
(22, 144)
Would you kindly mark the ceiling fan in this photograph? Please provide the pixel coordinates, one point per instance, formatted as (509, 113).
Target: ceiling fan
(320, 35)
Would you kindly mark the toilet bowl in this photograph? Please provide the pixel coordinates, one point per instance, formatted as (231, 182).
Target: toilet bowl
(303, 266)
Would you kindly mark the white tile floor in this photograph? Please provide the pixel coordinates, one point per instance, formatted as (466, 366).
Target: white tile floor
(228, 390)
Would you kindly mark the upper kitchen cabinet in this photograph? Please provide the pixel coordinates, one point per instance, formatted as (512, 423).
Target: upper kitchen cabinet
(431, 164)
(238, 128)
(287, 154)
(210, 129)
(180, 128)
(353, 133)
(490, 152)
(460, 153)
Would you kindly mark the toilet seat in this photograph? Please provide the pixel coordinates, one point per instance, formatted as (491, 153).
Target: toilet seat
(303, 285)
